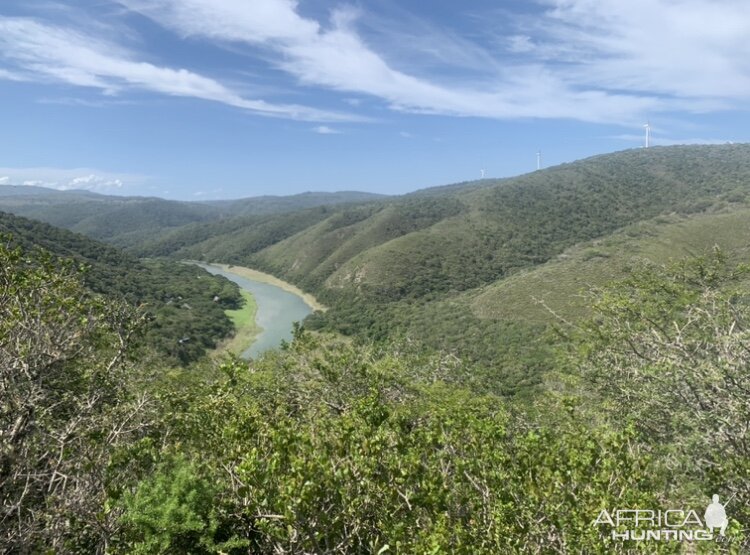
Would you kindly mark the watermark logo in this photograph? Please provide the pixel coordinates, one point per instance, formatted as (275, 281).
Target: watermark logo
(716, 516)
(665, 525)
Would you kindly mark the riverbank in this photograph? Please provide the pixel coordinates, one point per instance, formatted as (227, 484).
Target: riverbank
(246, 330)
(262, 277)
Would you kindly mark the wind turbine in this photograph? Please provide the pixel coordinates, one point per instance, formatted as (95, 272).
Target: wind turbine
(648, 134)
(539, 159)
(482, 171)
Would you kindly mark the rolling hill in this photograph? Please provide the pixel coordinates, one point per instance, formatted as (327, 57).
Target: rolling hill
(186, 304)
(458, 268)
(471, 235)
(128, 221)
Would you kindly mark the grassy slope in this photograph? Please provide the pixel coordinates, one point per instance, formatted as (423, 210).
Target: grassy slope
(245, 327)
(561, 282)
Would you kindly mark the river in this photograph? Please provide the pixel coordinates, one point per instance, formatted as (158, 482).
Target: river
(277, 310)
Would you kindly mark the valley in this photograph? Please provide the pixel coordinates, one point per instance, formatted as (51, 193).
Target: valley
(297, 277)
(462, 347)
(277, 306)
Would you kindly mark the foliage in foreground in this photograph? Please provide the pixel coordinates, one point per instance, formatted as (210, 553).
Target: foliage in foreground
(669, 355)
(66, 405)
(331, 447)
(328, 448)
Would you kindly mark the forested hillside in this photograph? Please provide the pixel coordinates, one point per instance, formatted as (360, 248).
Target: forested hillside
(121, 220)
(255, 206)
(129, 221)
(478, 269)
(327, 446)
(185, 303)
(447, 267)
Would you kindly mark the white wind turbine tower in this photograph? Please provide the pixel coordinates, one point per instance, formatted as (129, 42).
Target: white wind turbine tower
(539, 159)
(648, 134)
(482, 172)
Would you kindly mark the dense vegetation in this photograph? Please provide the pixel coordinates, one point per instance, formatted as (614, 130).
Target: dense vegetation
(129, 221)
(460, 415)
(457, 268)
(475, 269)
(332, 447)
(185, 303)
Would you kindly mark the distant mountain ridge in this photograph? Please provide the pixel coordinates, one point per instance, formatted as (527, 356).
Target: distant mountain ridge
(127, 221)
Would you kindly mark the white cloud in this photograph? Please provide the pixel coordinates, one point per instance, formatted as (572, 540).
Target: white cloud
(92, 182)
(592, 60)
(4, 180)
(338, 58)
(688, 49)
(325, 130)
(406, 134)
(520, 44)
(83, 102)
(64, 179)
(11, 75)
(59, 54)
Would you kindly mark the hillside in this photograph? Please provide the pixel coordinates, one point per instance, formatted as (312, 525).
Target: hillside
(334, 445)
(460, 268)
(185, 319)
(270, 204)
(457, 270)
(128, 221)
(469, 236)
(561, 283)
(120, 220)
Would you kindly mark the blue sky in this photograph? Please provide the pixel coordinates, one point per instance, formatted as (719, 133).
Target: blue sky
(197, 99)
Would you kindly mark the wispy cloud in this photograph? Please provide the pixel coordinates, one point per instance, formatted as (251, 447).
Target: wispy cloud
(64, 55)
(6, 75)
(694, 50)
(590, 60)
(325, 130)
(337, 57)
(64, 179)
(84, 102)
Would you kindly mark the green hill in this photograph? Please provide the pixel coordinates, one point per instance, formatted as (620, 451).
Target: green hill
(457, 268)
(270, 204)
(129, 221)
(186, 320)
(472, 235)
(559, 284)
